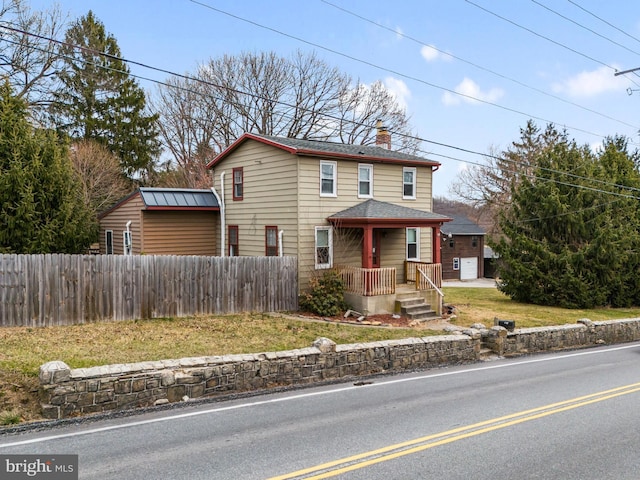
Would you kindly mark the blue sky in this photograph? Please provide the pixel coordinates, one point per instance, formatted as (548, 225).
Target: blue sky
(505, 68)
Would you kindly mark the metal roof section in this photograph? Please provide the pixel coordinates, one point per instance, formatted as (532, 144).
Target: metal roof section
(178, 199)
(375, 209)
(461, 225)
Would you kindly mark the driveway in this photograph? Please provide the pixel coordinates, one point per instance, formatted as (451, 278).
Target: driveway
(477, 283)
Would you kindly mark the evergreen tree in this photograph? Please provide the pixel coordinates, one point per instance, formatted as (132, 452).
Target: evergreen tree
(99, 100)
(41, 210)
(568, 240)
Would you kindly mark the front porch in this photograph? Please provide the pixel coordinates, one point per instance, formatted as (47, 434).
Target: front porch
(375, 290)
(388, 234)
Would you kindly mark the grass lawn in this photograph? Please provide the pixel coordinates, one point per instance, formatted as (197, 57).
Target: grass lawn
(484, 304)
(23, 350)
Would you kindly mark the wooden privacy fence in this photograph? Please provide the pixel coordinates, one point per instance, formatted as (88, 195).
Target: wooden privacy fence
(44, 290)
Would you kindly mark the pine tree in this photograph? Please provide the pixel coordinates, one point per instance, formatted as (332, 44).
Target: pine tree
(571, 234)
(41, 210)
(99, 100)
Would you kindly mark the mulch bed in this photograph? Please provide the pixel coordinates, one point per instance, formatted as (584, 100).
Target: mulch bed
(381, 320)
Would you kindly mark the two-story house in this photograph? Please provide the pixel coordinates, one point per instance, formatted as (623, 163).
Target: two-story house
(363, 209)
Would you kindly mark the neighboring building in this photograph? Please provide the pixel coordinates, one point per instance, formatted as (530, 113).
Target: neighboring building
(329, 204)
(462, 249)
(490, 259)
(165, 221)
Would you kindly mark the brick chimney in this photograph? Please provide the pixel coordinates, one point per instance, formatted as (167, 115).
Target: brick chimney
(383, 137)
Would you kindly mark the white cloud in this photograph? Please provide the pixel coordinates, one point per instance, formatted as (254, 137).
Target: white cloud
(470, 92)
(399, 33)
(430, 53)
(399, 90)
(590, 84)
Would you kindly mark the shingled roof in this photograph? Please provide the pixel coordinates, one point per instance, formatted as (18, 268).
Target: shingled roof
(461, 225)
(325, 149)
(377, 210)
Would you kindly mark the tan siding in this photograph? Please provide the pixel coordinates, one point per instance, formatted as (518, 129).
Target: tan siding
(283, 190)
(387, 187)
(394, 250)
(117, 221)
(269, 197)
(180, 233)
(347, 246)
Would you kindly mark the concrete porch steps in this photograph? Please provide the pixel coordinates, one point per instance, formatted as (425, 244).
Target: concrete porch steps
(414, 307)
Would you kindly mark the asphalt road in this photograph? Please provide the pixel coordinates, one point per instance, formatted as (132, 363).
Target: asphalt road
(573, 415)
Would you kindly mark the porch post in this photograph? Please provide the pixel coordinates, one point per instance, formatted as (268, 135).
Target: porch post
(367, 247)
(436, 244)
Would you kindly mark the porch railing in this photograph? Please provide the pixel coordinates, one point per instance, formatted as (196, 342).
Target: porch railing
(431, 270)
(368, 281)
(427, 279)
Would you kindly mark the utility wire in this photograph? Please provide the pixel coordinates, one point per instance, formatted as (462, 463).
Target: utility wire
(539, 178)
(394, 72)
(540, 35)
(604, 21)
(582, 26)
(480, 67)
(168, 85)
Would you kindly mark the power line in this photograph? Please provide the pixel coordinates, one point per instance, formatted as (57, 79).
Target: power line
(540, 35)
(582, 26)
(395, 72)
(420, 139)
(560, 172)
(480, 67)
(603, 20)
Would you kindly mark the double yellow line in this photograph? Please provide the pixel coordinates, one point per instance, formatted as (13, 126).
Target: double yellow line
(355, 462)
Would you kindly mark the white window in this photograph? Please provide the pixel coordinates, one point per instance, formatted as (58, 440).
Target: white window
(328, 179)
(413, 244)
(324, 247)
(108, 240)
(409, 183)
(456, 263)
(365, 181)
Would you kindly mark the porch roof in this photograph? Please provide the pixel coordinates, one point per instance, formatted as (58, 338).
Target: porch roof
(383, 214)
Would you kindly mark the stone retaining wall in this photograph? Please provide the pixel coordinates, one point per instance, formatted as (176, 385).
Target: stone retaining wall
(583, 334)
(67, 392)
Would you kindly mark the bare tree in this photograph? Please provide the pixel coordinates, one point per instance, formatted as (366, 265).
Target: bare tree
(187, 131)
(361, 106)
(487, 187)
(99, 173)
(298, 97)
(29, 59)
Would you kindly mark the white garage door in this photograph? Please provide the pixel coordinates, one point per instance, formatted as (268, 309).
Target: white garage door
(469, 268)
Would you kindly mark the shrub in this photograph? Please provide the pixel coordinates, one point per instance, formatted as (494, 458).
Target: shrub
(9, 418)
(325, 295)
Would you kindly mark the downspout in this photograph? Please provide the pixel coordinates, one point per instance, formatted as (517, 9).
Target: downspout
(223, 227)
(280, 246)
(128, 244)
